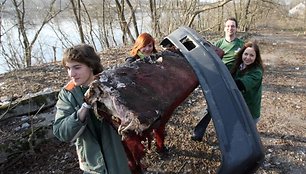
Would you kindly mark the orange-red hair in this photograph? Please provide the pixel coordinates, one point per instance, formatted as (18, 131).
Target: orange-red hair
(141, 41)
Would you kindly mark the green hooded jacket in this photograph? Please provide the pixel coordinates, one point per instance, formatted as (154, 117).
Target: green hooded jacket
(252, 81)
(99, 147)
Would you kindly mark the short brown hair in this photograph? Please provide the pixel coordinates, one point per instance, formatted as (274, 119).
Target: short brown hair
(232, 19)
(85, 54)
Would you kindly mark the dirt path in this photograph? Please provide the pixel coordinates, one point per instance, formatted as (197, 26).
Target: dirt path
(283, 123)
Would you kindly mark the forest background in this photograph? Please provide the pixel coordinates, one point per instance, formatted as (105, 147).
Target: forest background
(35, 32)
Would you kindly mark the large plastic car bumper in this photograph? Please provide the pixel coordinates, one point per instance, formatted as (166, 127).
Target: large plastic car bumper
(239, 141)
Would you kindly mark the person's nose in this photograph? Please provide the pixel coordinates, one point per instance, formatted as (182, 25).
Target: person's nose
(72, 73)
(146, 49)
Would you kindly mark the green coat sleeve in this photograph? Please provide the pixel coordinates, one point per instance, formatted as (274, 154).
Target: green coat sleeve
(252, 81)
(67, 124)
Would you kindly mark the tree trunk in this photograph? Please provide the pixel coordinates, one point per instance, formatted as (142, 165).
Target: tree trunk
(77, 14)
(91, 32)
(133, 18)
(1, 8)
(244, 19)
(104, 30)
(153, 16)
(28, 55)
(123, 24)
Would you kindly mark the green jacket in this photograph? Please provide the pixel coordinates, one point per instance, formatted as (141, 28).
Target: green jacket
(230, 49)
(98, 145)
(252, 81)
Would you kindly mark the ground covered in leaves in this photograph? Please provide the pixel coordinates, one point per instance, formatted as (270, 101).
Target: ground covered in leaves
(282, 127)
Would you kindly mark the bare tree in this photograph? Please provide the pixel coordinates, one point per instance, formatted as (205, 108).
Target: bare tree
(97, 22)
(154, 17)
(246, 16)
(102, 23)
(133, 15)
(1, 8)
(27, 44)
(206, 8)
(76, 8)
(123, 23)
(249, 12)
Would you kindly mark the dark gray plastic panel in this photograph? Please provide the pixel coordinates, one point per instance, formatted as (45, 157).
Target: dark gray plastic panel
(239, 141)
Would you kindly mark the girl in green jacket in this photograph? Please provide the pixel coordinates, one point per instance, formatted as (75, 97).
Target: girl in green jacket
(98, 145)
(247, 73)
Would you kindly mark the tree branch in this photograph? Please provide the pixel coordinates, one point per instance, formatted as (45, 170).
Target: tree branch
(208, 7)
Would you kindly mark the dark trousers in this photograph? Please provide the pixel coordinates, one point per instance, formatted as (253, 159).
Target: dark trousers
(200, 128)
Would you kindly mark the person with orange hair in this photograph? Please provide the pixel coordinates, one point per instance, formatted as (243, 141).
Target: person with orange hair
(144, 46)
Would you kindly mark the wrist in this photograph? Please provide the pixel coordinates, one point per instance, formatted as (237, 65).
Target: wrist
(85, 105)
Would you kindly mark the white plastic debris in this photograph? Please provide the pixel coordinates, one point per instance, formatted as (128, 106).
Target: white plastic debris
(25, 125)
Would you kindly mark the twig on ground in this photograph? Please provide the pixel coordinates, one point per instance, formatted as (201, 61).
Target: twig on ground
(31, 136)
(182, 167)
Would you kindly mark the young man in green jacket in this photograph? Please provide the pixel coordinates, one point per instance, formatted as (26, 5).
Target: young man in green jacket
(230, 45)
(98, 145)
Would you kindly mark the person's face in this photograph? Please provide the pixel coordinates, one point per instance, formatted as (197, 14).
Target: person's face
(249, 56)
(230, 28)
(80, 73)
(148, 49)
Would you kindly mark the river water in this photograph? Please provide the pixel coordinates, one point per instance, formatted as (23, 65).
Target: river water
(43, 51)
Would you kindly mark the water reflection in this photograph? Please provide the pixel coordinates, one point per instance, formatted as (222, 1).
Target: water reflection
(50, 42)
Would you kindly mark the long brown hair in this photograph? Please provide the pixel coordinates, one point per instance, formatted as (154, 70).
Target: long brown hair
(238, 57)
(85, 54)
(141, 41)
